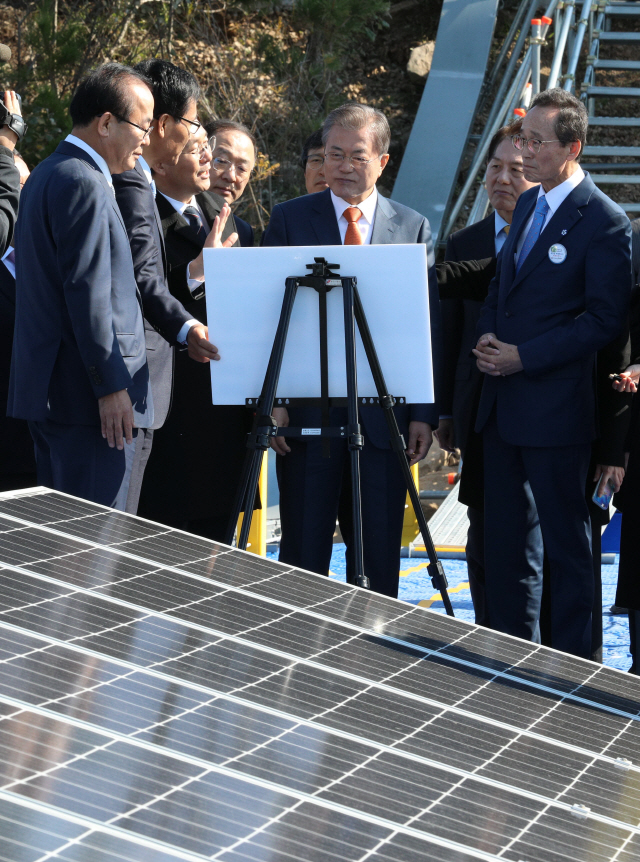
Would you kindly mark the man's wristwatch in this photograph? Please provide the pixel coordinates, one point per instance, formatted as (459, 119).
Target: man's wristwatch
(13, 121)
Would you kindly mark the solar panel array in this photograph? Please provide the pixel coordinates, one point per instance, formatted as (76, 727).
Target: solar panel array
(163, 697)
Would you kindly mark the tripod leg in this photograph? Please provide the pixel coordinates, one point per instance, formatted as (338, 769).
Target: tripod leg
(354, 434)
(436, 571)
(259, 439)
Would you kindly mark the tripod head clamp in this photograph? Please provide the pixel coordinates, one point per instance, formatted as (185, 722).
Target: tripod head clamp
(321, 277)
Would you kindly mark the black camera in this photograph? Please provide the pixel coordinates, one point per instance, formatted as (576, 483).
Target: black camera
(14, 121)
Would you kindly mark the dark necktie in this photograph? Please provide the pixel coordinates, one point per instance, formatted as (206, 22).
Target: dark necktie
(195, 220)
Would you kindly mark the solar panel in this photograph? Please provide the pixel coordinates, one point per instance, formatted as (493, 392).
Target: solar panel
(163, 697)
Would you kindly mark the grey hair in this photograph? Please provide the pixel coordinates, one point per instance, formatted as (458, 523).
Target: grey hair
(572, 120)
(355, 116)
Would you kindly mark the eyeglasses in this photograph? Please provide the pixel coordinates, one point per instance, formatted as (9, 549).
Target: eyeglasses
(532, 144)
(205, 150)
(315, 162)
(195, 123)
(146, 132)
(355, 161)
(221, 165)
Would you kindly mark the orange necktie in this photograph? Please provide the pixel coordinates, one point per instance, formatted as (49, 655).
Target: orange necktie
(353, 235)
(506, 229)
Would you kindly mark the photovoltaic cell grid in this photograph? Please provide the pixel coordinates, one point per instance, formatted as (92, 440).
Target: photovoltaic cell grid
(163, 697)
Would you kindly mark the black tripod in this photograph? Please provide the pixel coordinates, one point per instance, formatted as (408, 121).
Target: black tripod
(322, 279)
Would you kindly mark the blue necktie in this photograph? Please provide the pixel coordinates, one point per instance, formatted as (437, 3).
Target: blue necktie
(542, 208)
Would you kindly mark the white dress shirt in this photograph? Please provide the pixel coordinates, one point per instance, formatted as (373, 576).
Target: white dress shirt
(97, 158)
(554, 198)
(368, 209)
(148, 174)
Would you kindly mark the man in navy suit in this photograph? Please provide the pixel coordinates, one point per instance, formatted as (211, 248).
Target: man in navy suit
(462, 381)
(167, 323)
(356, 139)
(561, 293)
(79, 371)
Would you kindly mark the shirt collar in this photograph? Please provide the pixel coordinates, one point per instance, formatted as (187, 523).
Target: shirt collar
(367, 207)
(180, 206)
(97, 158)
(146, 169)
(499, 223)
(557, 195)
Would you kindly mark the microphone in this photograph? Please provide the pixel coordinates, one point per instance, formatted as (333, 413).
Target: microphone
(5, 53)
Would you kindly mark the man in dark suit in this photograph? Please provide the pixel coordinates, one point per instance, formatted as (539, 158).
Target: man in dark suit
(17, 459)
(235, 151)
(175, 94)
(462, 381)
(356, 140)
(200, 445)
(79, 372)
(628, 501)
(561, 293)
(9, 177)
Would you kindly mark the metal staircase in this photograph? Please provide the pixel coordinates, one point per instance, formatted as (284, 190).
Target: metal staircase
(608, 171)
(581, 36)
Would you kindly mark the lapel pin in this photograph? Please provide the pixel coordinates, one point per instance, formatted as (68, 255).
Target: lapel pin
(564, 232)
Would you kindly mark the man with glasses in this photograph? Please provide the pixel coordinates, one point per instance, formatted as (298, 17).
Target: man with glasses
(312, 163)
(560, 294)
(351, 211)
(79, 372)
(234, 157)
(167, 323)
(200, 445)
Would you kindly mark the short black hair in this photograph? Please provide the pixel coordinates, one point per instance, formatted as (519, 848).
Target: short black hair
(215, 126)
(173, 88)
(313, 142)
(572, 120)
(104, 89)
(501, 135)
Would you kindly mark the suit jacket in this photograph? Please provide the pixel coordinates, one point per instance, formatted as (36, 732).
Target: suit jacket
(79, 332)
(200, 445)
(245, 232)
(9, 196)
(164, 315)
(461, 377)
(311, 220)
(558, 315)
(16, 445)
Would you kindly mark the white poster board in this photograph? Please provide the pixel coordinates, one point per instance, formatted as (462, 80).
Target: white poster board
(244, 293)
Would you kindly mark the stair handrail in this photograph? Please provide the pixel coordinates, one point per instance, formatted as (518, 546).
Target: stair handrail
(499, 113)
(572, 65)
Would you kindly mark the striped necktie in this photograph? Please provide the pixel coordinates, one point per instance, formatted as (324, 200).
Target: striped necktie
(195, 220)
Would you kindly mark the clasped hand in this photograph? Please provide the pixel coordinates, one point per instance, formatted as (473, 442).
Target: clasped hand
(496, 358)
